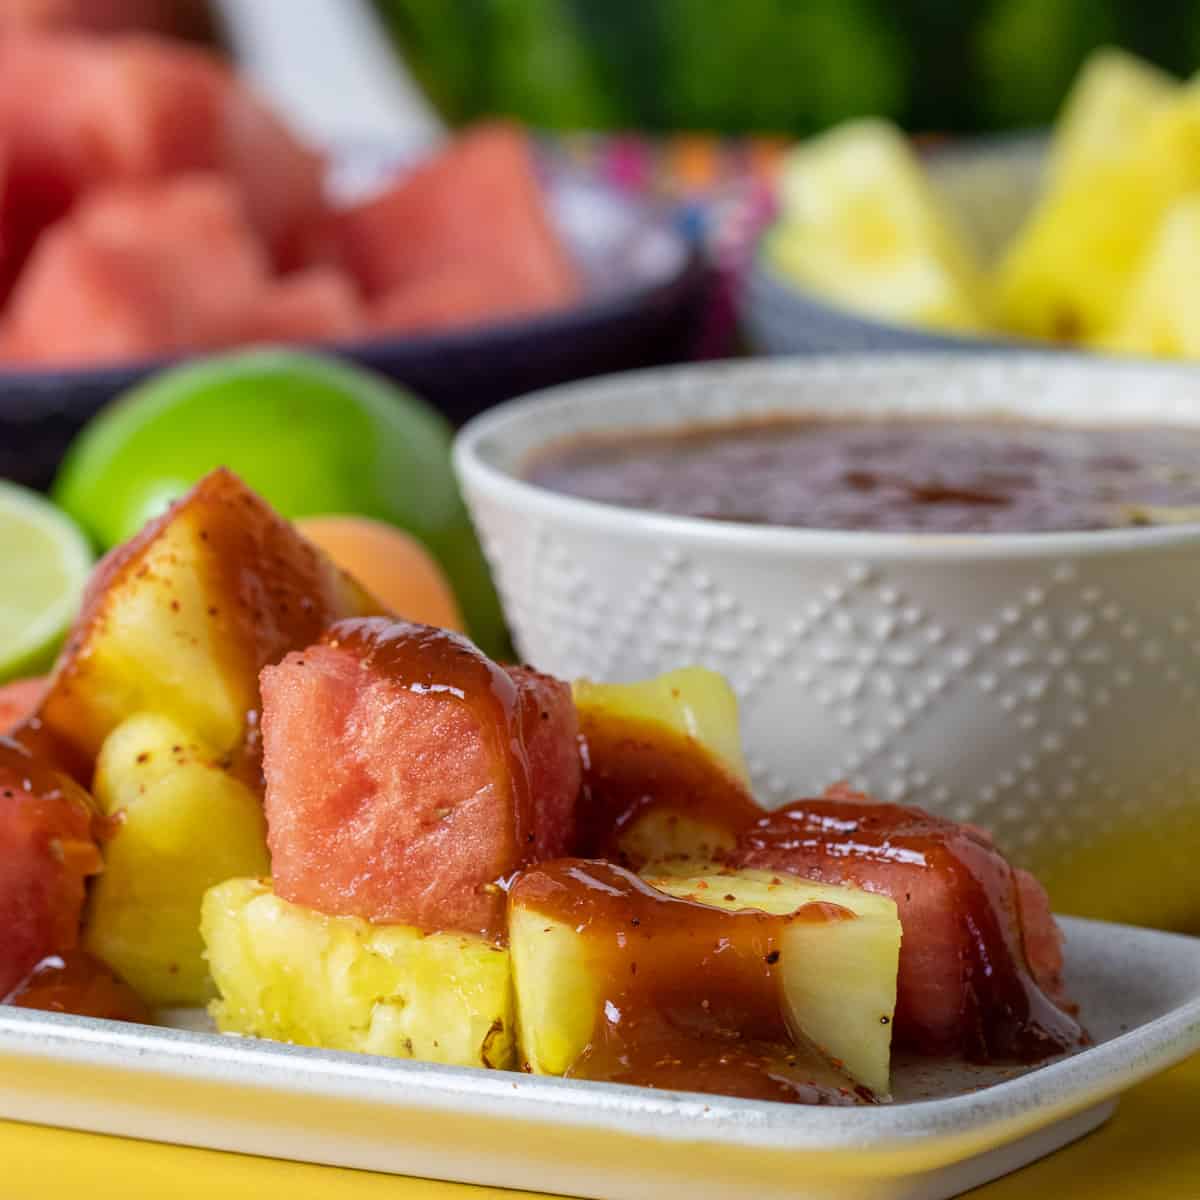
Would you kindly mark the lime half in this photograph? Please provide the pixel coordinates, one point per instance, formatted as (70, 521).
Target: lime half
(44, 563)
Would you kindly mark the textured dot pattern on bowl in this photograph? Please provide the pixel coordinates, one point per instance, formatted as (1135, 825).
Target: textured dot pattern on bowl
(1046, 686)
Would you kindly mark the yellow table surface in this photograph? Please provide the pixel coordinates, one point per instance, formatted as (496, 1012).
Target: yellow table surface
(1151, 1148)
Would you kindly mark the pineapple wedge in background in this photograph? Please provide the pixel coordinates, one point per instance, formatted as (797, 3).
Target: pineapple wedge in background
(181, 824)
(1162, 310)
(862, 225)
(180, 620)
(1068, 272)
(1109, 106)
(687, 713)
(341, 983)
(839, 977)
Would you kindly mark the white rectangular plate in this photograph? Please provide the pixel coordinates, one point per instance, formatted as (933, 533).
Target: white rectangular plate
(950, 1129)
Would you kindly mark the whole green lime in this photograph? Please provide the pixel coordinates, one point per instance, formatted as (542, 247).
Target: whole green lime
(312, 435)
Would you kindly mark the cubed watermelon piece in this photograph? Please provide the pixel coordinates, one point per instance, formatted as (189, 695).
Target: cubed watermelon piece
(476, 206)
(47, 851)
(140, 270)
(456, 296)
(408, 776)
(78, 112)
(981, 960)
(317, 304)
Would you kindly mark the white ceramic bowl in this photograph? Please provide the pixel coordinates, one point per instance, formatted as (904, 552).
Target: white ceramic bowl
(1046, 686)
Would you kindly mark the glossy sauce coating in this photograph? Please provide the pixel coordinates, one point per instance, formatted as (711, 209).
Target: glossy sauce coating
(689, 996)
(439, 663)
(75, 982)
(1005, 1014)
(633, 766)
(268, 591)
(35, 736)
(43, 779)
(919, 475)
(33, 774)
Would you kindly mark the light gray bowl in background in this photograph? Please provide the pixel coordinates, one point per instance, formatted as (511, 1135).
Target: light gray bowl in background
(989, 185)
(1046, 686)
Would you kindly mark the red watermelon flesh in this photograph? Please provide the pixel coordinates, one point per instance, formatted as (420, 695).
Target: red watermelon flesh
(552, 748)
(282, 181)
(458, 295)
(19, 701)
(47, 851)
(139, 270)
(981, 957)
(478, 206)
(77, 112)
(394, 791)
(318, 304)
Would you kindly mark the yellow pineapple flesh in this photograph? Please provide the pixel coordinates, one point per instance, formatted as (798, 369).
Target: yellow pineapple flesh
(862, 225)
(1111, 102)
(341, 983)
(838, 977)
(180, 823)
(1161, 313)
(671, 744)
(1068, 273)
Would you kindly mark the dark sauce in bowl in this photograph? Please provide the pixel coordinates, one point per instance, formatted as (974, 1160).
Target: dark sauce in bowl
(907, 475)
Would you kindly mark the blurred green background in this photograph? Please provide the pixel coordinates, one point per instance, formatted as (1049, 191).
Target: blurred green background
(773, 66)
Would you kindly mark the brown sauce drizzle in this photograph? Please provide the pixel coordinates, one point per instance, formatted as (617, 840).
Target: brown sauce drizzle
(439, 663)
(75, 982)
(47, 748)
(270, 591)
(690, 996)
(1006, 1016)
(33, 773)
(632, 766)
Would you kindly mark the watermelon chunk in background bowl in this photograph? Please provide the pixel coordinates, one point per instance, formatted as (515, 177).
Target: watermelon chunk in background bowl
(643, 285)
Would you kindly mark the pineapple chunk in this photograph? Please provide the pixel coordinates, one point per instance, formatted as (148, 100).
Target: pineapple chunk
(1068, 272)
(181, 620)
(341, 983)
(182, 823)
(839, 977)
(692, 711)
(692, 702)
(1162, 311)
(1109, 106)
(673, 841)
(862, 225)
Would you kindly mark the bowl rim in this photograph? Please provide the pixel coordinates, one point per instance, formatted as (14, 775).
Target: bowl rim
(484, 438)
